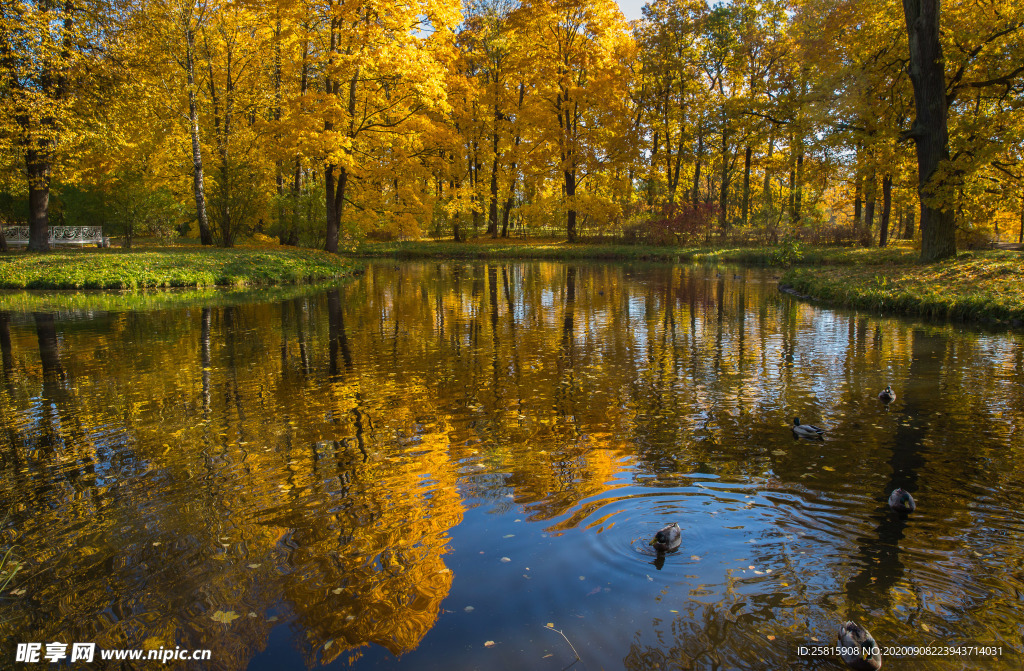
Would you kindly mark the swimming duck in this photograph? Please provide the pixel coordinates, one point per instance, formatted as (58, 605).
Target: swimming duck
(887, 395)
(806, 430)
(852, 635)
(901, 501)
(667, 538)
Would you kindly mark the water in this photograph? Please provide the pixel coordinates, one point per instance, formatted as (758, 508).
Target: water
(425, 467)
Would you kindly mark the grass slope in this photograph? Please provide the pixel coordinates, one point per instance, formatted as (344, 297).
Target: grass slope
(976, 286)
(170, 267)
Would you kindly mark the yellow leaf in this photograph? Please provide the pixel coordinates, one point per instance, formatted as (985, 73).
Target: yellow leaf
(224, 617)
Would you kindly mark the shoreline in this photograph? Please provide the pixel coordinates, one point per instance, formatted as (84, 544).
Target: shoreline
(981, 286)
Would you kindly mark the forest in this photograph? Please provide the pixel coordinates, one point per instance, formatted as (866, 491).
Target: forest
(320, 123)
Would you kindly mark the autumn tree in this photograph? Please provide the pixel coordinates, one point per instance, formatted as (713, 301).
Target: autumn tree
(45, 48)
(579, 112)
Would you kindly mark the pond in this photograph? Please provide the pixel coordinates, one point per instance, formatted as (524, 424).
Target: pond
(443, 465)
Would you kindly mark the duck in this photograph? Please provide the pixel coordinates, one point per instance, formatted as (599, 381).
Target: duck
(887, 395)
(806, 430)
(901, 501)
(667, 539)
(852, 635)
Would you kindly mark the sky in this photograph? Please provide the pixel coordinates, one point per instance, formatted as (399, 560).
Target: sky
(631, 8)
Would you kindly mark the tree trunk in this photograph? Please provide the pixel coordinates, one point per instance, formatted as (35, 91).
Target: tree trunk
(38, 170)
(457, 234)
(570, 193)
(198, 186)
(766, 190)
(869, 209)
(492, 207)
(930, 129)
(696, 169)
(908, 231)
(1020, 235)
(798, 192)
(883, 225)
(858, 203)
(723, 187)
(335, 194)
(746, 184)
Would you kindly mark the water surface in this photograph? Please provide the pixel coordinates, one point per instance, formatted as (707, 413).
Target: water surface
(423, 467)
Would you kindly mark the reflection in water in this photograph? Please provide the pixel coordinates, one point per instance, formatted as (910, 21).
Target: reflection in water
(439, 456)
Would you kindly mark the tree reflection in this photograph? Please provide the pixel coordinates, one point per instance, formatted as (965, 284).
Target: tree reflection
(309, 459)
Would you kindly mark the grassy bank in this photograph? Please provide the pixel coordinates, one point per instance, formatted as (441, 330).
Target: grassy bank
(172, 267)
(781, 255)
(976, 286)
(151, 299)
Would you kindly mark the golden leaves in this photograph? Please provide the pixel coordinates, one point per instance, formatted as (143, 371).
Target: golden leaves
(225, 617)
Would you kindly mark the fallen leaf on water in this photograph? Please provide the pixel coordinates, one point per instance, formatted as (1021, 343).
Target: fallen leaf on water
(925, 627)
(488, 644)
(337, 590)
(550, 625)
(224, 617)
(272, 618)
(328, 644)
(254, 565)
(469, 609)
(827, 468)
(505, 559)
(509, 536)
(695, 557)
(770, 637)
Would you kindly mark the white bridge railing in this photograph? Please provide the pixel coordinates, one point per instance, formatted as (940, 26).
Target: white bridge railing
(60, 235)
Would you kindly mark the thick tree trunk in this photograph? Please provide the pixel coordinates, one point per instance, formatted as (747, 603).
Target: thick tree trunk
(883, 225)
(1020, 234)
(335, 195)
(570, 193)
(38, 170)
(930, 129)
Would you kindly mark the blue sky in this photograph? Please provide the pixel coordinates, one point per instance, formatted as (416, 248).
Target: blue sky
(631, 8)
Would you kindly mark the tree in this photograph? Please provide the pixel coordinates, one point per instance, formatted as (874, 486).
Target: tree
(43, 49)
(578, 53)
(379, 75)
(930, 129)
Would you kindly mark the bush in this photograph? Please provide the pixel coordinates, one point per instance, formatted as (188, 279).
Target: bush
(678, 225)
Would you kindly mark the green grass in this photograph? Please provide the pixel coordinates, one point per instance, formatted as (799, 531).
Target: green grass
(168, 267)
(781, 255)
(975, 286)
(151, 299)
